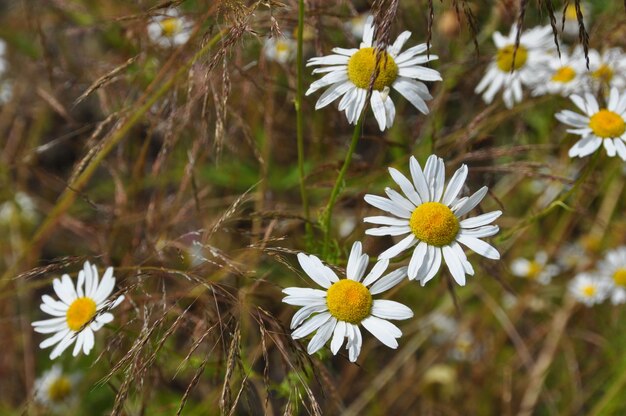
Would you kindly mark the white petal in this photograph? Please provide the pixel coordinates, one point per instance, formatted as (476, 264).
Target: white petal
(80, 338)
(417, 259)
(433, 265)
(62, 346)
(385, 331)
(387, 205)
(472, 202)
(481, 232)
(338, 337)
(419, 180)
(312, 271)
(392, 230)
(388, 309)
(406, 186)
(479, 220)
(303, 313)
(322, 336)
(311, 325)
(48, 342)
(332, 93)
(479, 246)
(304, 292)
(420, 72)
(65, 289)
(355, 342)
(88, 341)
(455, 185)
(383, 220)
(398, 248)
(454, 264)
(377, 271)
(388, 281)
(378, 107)
(395, 49)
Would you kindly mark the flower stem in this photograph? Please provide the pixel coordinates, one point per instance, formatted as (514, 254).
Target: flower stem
(328, 211)
(299, 117)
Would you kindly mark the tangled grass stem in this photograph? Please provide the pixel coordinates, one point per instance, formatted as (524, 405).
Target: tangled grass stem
(326, 220)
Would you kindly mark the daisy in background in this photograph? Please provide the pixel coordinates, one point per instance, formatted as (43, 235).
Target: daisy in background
(598, 126)
(81, 310)
(563, 75)
(588, 289)
(538, 269)
(613, 269)
(511, 69)
(345, 304)
(349, 71)
(57, 390)
(568, 21)
(607, 69)
(170, 29)
(432, 220)
(356, 25)
(280, 49)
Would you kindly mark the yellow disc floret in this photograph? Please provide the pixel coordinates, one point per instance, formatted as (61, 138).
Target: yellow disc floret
(59, 389)
(564, 74)
(589, 291)
(81, 311)
(170, 26)
(619, 277)
(570, 12)
(434, 223)
(604, 73)
(349, 301)
(607, 124)
(361, 67)
(534, 270)
(504, 58)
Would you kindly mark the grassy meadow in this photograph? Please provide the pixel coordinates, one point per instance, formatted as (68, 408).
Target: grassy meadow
(198, 169)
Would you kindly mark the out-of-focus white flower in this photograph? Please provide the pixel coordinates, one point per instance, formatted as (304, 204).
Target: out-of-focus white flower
(572, 256)
(608, 69)
(441, 327)
(597, 126)
(56, 390)
(613, 269)
(563, 75)
(589, 289)
(280, 49)
(356, 25)
(570, 26)
(511, 69)
(21, 207)
(465, 347)
(170, 29)
(537, 269)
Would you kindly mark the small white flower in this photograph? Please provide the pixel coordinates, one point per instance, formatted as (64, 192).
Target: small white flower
(22, 207)
(432, 220)
(598, 126)
(56, 390)
(608, 69)
(510, 75)
(81, 310)
(563, 75)
(170, 29)
(349, 71)
(442, 328)
(571, 26)
(346, 303)
(280, 49)
(613, 269)
(537, 269)
(573, 256)
(465, 347)
(588, 289)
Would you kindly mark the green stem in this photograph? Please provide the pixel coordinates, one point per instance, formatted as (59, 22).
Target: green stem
(328, 211)
(299, 117)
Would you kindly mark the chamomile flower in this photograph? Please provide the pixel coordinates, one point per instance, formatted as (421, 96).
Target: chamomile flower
(537, 269)
(598, 126)
(563, 75)
(568, 21)
(588, 289)
(511, 69)
(56, 390)
(170, 29)
(346, 304)
(613, 269)
(349, 71)
(432, 220)
(608, 69)
(81, 310)
(280, 49)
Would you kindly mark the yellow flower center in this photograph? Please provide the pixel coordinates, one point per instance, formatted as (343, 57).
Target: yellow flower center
(534, 270)
(607, 124)
(362, 64)
(434, 223)
(81, 311)
(59, 389)
(619, 277)
(604, 73)
(564, 74)
(504, 58)
(589, 291)
(570, 13)
(170, 26)
(282, 47)
(349, 301)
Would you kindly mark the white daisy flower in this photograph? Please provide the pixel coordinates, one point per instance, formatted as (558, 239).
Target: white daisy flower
(613, 268)
(588, 289)
(21, 207)
(280, 49)
(465, 347)
(563, 75)
(598, 126)
(170, 29)
(441, 328)
(56, 390)
(537, 269)
(573, 256)
(349, 71)
(80, 312)
(432, 220)
(570, 26)
(346, 304)
(608, 69)
(509, 75)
